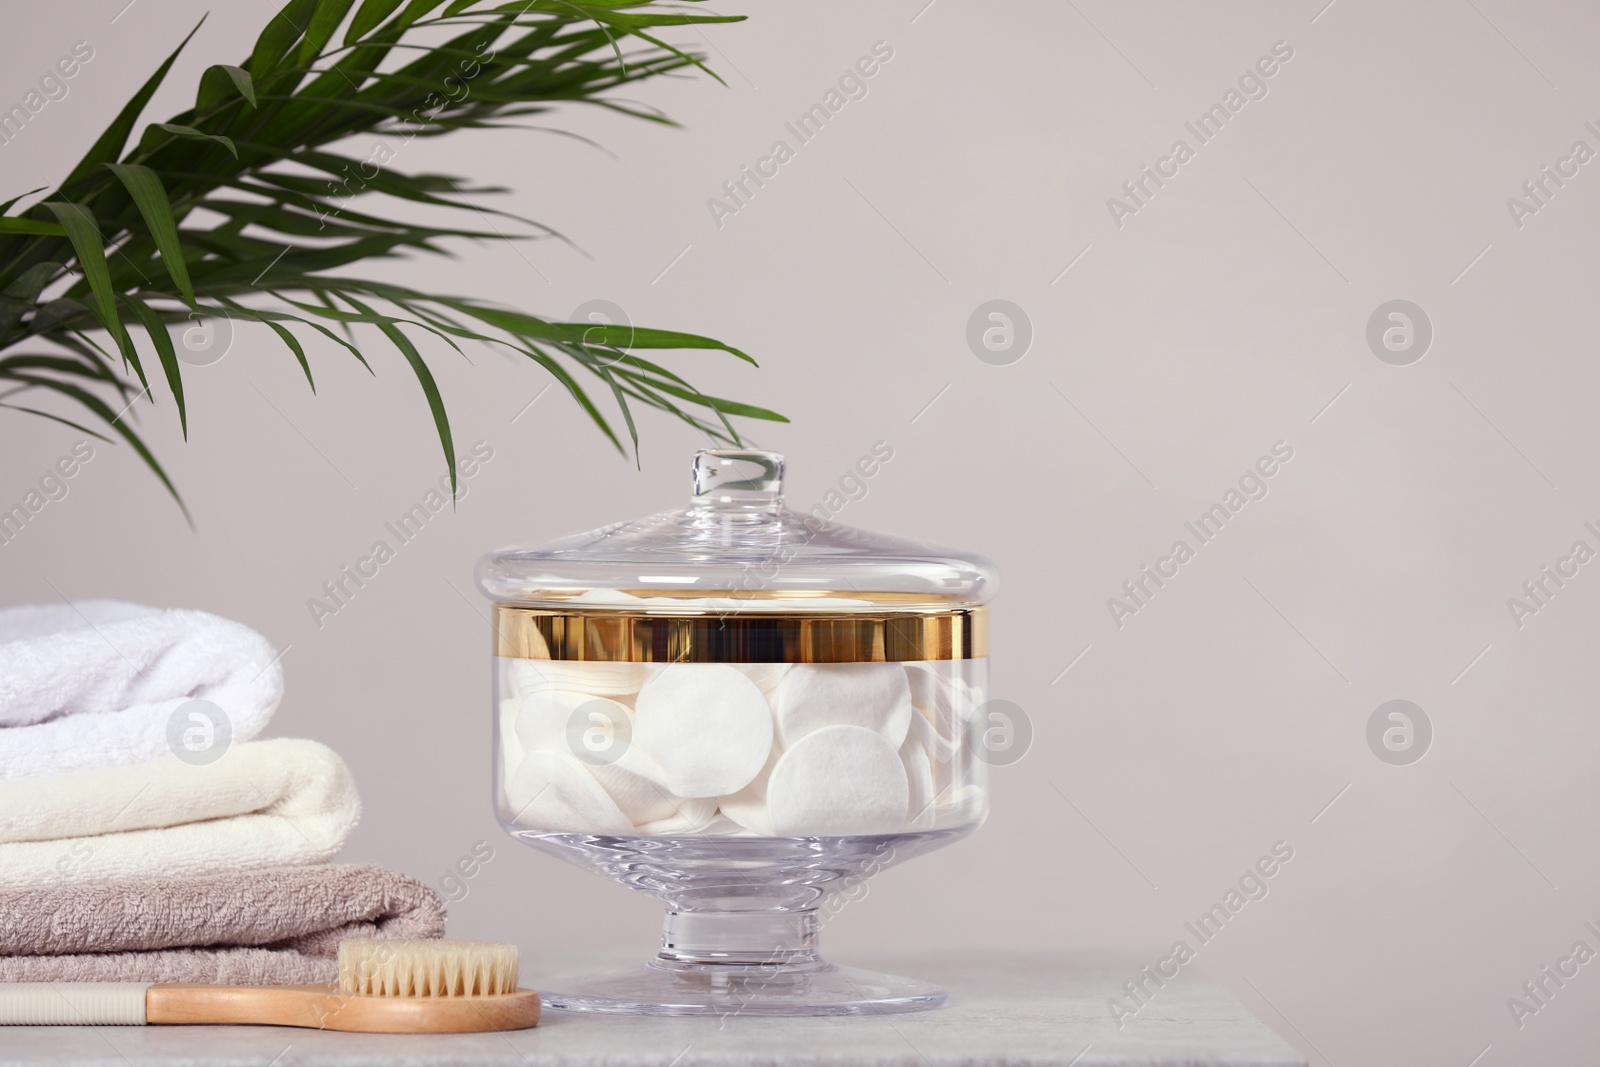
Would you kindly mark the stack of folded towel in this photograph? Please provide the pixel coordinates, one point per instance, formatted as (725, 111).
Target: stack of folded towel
(133, 848)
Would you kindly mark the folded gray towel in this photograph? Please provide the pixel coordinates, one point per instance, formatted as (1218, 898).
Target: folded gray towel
(279, 926)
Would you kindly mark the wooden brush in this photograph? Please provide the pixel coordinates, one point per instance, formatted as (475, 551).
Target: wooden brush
(385, 987)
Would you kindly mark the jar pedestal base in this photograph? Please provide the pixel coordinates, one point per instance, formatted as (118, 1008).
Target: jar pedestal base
(728, 990)
(756, 963)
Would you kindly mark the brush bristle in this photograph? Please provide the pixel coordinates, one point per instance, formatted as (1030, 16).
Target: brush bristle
(427, 968)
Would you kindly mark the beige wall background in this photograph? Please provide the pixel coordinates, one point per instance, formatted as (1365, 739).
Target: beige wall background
(1227, 314)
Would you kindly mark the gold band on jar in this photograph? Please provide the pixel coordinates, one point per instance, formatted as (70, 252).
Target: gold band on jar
(610, 636)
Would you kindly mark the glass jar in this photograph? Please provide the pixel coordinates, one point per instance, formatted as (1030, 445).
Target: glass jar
(745, 711)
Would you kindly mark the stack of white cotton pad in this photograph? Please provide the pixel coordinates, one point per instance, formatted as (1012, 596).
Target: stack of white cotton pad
(760, 749)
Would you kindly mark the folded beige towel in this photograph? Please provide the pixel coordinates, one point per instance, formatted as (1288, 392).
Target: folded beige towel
(276, 927)
(262, 804)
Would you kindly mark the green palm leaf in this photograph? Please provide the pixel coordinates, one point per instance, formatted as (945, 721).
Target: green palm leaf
(243, 206)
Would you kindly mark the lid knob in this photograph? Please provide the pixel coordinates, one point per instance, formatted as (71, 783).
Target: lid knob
(730, 479)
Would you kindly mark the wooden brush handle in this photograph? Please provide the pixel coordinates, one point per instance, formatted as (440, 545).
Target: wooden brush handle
(323, 1007)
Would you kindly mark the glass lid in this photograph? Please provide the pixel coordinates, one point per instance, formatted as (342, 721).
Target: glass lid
(737, 547)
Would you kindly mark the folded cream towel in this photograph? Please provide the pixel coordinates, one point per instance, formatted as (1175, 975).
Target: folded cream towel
(261, 804)
(278, 926)
(95, 683)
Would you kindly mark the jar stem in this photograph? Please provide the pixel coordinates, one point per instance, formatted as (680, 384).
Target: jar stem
(786, 939)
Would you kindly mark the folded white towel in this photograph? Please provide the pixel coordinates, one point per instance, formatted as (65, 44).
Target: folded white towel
(94, 683)
(261, 804)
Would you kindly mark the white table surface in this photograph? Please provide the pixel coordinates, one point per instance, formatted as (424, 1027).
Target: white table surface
(1005, 1008)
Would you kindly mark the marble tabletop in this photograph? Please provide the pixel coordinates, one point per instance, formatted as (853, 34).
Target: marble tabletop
(1004, 1008)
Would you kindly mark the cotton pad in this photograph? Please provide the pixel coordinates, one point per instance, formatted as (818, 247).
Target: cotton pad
(551, 791)
(961, 805)
(541, 722)
(748, 807)
(920, 813)
(758, 785)
(641, 799)
(838, 780)
(529, 676)
(723, 826)
(511, 750)
(692, 817)
(936, 745)
(945, 705)
(748, 810)
(875, 696)
(577, 724)
(703, 728)
(766, 676)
